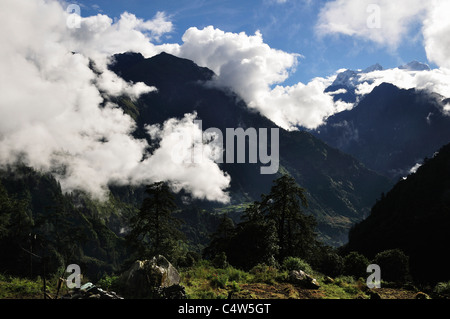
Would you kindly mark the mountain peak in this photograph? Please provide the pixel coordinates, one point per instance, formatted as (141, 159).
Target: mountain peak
(415, 66)
(375, 67)
(162, 68)
(350, 78)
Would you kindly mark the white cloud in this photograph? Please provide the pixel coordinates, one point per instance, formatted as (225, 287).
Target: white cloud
(436, 32)
(255, 71)
(185, 161)
(50, 113)
(353, 18)
(100, 35)
(384, 22)
(437, 80)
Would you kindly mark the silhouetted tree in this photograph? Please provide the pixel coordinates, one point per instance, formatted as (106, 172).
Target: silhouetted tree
(154, 230)
(295, 230)
(271, 230)
(220, 239)
(255, 241)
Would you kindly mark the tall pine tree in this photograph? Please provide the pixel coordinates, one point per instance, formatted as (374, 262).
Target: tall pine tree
(154, 230)
(284, 206)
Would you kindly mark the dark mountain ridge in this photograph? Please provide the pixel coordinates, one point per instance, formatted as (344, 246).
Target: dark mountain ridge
(390, 130)
(414, 217)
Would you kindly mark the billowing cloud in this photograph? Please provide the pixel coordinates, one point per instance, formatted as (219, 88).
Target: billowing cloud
(185, 160)
(256, 72)
(436, 80)
(384, 22)
(100, 35)
(436, 30)
(51, 112)
(389, 23)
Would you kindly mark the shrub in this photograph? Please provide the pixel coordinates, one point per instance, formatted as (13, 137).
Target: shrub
(219, 280)
(220, 261)
(332, 265)
(294, 263)
(442, 288)
(236, 274)
(344, 281)
(394, 265)
(264, 274)
(189, 260)
(355, 265)
(235, 287)
(109, 282)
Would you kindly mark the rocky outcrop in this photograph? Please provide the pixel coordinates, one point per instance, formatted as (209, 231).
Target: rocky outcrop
(302, 279)
(154, 278)
(90, 291)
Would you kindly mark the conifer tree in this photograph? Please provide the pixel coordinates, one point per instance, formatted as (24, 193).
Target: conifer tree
(154, 230)
(295, 230)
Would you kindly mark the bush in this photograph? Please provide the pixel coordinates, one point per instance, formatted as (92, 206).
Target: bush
(355, 265)
(442, 288)
(219, 280)
(264, 274)
(332, 265)
(109, 283)
(189, 260)
(236, 274)
(220, 261)
(344, 281)
(294, 263)
(394, 265)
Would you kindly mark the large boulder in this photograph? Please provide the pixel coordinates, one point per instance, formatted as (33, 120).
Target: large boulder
(147, 278)
(302, 279)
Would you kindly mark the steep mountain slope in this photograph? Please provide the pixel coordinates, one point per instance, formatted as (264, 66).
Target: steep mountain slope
(414, 216)
(340, 189)
(390, 129)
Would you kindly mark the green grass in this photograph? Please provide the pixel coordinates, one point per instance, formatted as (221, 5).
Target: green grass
(343, 287)
(24, 288)
(203, 281)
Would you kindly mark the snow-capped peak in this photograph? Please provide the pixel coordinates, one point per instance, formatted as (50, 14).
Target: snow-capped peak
(415, 66)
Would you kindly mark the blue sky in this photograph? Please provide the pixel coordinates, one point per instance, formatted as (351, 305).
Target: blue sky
(288, 26)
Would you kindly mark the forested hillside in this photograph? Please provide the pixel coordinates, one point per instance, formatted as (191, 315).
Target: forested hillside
(414, 217)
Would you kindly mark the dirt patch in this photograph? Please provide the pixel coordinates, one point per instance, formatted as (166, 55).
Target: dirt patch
(389, 293)
(289, 291)
(276, 291)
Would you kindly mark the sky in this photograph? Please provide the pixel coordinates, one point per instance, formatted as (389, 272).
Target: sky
(279, 56)
(289, 25)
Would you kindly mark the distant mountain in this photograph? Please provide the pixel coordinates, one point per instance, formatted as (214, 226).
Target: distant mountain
(348, 80)
(340, 189)
(415, 66)
(390, 130)
(414, 217)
